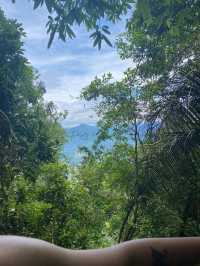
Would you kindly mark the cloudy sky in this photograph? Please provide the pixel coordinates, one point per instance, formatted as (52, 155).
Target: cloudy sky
(65, 68)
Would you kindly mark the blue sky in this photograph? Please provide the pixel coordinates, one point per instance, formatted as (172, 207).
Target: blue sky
(65, 68)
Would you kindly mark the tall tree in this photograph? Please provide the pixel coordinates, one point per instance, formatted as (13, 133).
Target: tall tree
(30, 133)
(121, 111)
(162, 38)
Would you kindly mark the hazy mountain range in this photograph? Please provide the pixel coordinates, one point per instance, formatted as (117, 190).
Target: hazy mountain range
(84, 135)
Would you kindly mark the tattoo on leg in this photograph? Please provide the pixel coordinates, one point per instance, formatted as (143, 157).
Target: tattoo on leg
(159, 258)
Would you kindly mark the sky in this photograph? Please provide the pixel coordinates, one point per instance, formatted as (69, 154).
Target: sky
(67, 67)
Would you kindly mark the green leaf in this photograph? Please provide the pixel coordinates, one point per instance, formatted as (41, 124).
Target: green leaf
(99, 44)
(93, 34)
(37, 3)
(49, 5)
(70, 32)
(106, 40)
(52, 34)
(96, 41)
(106, 30)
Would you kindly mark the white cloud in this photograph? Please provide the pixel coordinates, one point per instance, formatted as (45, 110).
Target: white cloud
(49, 60)
(69, 85)
(78, 112)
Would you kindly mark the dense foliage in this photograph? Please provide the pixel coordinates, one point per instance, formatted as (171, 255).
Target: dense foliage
(30, 134)
(162, 92)
(147, 184)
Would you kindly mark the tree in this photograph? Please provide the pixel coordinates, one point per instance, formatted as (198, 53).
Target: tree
(165, 48)
(163, 38)
(178, 140)
(27, 123)
(64, 15)
(62, 207)
(120, 107)
(30, 133)
(106, 175)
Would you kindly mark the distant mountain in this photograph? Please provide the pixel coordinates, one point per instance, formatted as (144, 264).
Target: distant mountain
(86, 135)
(82, 135)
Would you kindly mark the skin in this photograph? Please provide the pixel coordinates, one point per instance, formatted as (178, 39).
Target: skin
(20, 251)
